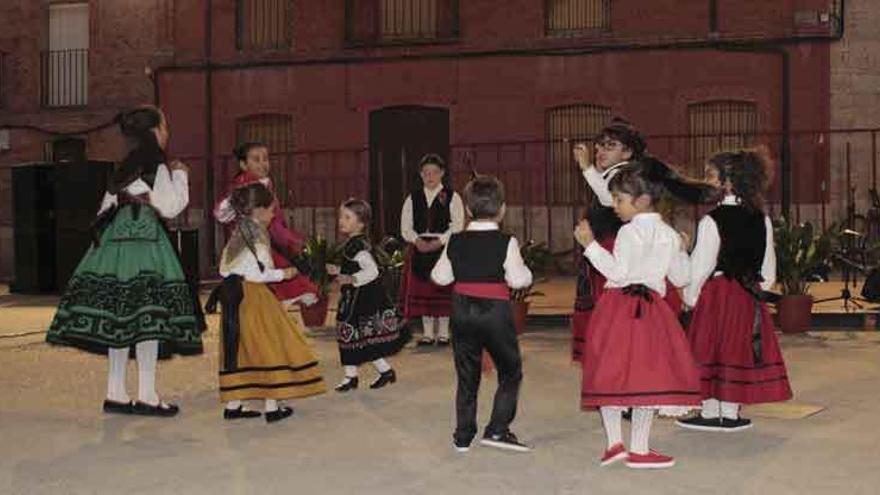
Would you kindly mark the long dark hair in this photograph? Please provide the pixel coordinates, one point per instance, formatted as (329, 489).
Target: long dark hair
(144, 155)
(361, 210)
(623, 131)
(244, 199)
(750, 171)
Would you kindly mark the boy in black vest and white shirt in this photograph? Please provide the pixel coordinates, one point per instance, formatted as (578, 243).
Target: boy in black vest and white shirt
(484, 263)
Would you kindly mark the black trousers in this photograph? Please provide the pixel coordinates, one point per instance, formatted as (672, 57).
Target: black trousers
(479, 324)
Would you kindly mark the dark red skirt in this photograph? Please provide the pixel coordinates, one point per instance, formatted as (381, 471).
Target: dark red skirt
(293, 288)
(636, 354)
(591, 286)
(720, 334)
(422, 297)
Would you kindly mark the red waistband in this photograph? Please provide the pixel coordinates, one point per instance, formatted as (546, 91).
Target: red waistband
(485, 290)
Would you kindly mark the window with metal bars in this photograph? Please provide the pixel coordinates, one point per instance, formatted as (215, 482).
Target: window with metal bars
(64, 67)
(565, 127)
(276, 132)
(376, 22)
(263, 24)
(715, 126)
(577, 17)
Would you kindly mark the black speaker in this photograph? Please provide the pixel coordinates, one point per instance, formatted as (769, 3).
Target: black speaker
(54, 207)
(186, 241)
(79, 189)
(33, 203)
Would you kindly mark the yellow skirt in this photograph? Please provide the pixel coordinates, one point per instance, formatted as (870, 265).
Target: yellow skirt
(275, 358)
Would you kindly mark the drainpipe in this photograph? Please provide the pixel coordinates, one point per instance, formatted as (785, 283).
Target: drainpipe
(209, 134)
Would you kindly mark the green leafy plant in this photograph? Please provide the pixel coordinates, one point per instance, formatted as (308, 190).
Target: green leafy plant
(801, 253)
(390, 256)
(537, 257)
(315, 256)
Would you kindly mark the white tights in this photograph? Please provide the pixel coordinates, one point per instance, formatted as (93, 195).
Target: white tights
(147, 353)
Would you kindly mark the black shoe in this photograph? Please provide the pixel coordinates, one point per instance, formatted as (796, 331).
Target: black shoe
(425, 341)
(700, 423)
(628, 414)
(737, 424)
(240, 413)
(350, 383)
(386, 378)
(113, 407)
(443, 342)
(161, 409)
(506, 441)
(279, 414)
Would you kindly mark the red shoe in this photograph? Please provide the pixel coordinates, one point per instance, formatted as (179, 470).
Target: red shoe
(616, 452)
(651, 460)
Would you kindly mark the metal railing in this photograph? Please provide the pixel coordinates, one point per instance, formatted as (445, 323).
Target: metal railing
(388, 22)
(65, 78)
(833, 172)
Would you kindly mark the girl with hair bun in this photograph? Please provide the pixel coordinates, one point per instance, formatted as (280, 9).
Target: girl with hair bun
(731, 331)
(130, 288)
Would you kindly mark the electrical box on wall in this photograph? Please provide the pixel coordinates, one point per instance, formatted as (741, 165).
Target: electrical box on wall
(5, 145)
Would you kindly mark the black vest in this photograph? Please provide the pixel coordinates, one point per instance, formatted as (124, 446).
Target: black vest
(435, 219)
(743, 241)
(351, 248)
(478, 256)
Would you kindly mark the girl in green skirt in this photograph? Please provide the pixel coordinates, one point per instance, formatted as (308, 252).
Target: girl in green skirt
(130, 289)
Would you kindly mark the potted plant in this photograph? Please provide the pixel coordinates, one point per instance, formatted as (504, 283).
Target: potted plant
(536, 257)
(390, 255)
(313, 259)
(800, 254)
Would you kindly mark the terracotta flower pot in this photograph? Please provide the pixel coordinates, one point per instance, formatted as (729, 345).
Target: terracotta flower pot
(520, 313)
(795, 313)
(316, 314)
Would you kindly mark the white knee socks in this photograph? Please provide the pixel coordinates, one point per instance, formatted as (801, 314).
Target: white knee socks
(271, 405)
(611, 418)
(641, 430)
(147, 354)
(350, 371)
(428, 327)
(713, 408)
(381, 365)
(443, 330)
(117, 362)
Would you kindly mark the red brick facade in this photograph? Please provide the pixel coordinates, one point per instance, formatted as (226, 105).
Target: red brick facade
(497, 79)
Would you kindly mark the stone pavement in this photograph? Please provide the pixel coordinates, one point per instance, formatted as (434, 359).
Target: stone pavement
(55, 440)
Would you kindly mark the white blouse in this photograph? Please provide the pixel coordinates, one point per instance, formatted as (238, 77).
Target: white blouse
(456, 211)
(169, 194)
(369, 270)
(704, 257)
(245, 264)
(598, 181)
(647, 251)
(516, 273)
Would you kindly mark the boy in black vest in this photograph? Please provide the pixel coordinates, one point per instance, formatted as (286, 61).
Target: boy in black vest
(483, 263)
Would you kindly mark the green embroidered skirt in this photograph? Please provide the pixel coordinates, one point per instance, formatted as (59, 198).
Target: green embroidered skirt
(128, 289)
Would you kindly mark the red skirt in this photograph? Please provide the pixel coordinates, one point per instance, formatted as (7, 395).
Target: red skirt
(591, 286)
(720, 333)
(636, 354)
(293, 288)
(422, 297)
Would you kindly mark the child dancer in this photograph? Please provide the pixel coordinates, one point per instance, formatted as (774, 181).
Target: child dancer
(253, 161)
(130, 289)
(483, 262)
(636, 354)
(731, 331)
(429, 216)
(264, 353)
(368, 328)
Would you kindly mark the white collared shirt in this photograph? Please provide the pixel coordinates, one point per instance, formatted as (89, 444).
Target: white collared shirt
(169, 194)
(456, 212)
(245, 264)
(647, 251)
(516, 273)
(704, 257)
(598, 181)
